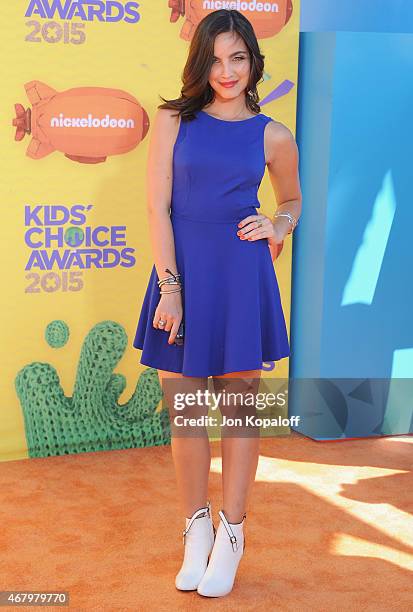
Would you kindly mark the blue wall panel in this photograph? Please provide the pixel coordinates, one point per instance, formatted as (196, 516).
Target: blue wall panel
(352, 303)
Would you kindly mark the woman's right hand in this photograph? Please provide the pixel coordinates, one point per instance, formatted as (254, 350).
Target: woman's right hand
(169, 310)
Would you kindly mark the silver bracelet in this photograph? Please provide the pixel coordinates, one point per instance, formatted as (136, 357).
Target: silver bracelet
(291, 219)
(173, 279)
(170, 291)
(170, 280)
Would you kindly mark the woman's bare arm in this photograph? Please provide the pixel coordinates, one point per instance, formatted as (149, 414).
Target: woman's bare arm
(282, 163)
(281, 154)
(159, 189)
(159, 176)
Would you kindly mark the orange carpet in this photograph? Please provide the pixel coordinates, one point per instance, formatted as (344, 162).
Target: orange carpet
(329, 527)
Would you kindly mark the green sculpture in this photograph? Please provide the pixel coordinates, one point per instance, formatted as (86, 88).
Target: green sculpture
(92, 419)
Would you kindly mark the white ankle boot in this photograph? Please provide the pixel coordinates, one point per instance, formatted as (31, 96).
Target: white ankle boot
(198, 537)
(226, 554)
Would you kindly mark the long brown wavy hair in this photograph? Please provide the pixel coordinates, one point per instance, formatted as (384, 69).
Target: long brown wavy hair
(196, 91)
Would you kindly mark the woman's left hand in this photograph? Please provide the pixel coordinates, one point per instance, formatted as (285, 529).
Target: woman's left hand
(256, 227)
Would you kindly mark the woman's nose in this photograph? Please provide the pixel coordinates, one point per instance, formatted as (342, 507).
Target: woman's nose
(226, 70)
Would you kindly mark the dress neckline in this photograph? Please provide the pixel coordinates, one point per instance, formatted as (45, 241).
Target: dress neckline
(228, 121)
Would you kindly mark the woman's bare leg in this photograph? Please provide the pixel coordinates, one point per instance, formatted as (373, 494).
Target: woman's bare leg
(239, 454)
(191, 453)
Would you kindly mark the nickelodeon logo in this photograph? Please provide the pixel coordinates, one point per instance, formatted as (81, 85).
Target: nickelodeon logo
(239, 5)
(267, 18)
(90, 122)
(116, 131)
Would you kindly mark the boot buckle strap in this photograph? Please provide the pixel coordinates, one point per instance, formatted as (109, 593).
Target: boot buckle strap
(234, 543)
(205, 511)
(230, 533)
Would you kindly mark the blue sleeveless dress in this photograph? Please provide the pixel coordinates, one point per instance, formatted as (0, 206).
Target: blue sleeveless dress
(232, 311)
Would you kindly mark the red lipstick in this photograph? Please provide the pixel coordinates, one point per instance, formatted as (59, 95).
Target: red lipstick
(229, 84)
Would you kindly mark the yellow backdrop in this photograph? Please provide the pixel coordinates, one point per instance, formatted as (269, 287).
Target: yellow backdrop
(80, 83)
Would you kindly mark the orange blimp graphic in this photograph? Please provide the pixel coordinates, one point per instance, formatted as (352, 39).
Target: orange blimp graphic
(267, 17)
(86, 124)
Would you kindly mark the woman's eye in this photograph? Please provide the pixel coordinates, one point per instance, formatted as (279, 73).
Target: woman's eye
(238, 57)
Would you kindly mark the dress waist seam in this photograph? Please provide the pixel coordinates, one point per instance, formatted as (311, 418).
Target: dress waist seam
(186, 218)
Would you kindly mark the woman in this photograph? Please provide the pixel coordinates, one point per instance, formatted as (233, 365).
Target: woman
(213, 272)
